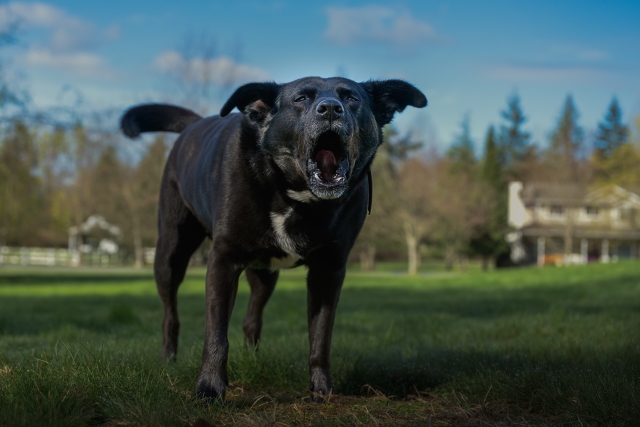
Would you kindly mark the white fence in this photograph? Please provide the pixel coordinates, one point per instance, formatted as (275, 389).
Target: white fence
(53, 257)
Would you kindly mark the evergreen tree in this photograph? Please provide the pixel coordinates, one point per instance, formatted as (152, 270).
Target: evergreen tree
(566, 143)
(611, 133)
(615, 160)
(488, 241)
(492, 167)
(461, 153)
(515, 142)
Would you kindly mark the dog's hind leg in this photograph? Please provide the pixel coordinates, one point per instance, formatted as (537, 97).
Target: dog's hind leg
(262, 283)
(180, 235)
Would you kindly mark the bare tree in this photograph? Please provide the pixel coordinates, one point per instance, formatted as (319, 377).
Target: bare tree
(381, 225)
(140, 192)
(202, 76)
(416, 208)
(462, 205)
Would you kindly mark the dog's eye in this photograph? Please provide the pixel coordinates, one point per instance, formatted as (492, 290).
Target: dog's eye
(300, 98)
(352, 98)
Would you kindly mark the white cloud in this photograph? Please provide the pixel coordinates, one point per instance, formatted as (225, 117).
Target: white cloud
(81, 64)
(221, 70)
(348, 26)
(68, 43)
(68, 32)
(168, 61)
(36, 14)
(113, 32)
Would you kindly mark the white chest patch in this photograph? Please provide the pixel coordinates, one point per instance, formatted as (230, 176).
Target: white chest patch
(283, 240)
(305, 196)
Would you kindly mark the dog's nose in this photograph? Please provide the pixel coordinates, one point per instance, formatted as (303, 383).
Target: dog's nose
(330, 109)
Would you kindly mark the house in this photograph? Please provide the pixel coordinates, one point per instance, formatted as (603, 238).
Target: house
(569, 224)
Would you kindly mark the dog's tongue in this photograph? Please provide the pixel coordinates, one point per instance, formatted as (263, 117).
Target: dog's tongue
(327, 164)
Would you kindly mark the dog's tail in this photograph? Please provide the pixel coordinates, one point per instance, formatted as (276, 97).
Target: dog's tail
(156, 118)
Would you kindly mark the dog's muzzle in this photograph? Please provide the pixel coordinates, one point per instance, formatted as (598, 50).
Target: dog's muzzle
(328, 166)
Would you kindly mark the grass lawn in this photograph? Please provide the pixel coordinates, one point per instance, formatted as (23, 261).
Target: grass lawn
(553, 346)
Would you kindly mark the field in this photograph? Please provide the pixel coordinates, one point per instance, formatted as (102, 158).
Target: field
(552, 346)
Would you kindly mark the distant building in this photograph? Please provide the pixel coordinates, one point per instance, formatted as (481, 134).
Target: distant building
(567, 224)
(94, 236)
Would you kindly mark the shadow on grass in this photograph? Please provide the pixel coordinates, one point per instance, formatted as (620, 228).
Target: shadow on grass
(603, 390)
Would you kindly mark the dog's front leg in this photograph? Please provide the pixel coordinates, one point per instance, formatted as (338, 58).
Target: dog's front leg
(323, 292)
(221, 289)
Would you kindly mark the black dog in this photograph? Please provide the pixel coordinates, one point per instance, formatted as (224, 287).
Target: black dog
(281, 185)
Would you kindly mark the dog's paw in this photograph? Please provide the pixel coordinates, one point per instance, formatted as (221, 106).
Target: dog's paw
(321, 394)
(320, 385)
(169, 356)
(210, 393)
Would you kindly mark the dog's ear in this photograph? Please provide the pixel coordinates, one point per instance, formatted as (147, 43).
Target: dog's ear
(389, 96)
(255, 100)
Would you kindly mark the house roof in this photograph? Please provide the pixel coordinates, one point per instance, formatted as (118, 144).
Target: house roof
(561, 194)
(577, 195)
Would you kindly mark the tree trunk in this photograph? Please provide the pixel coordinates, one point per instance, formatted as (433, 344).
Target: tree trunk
(485, 263)
(368, 258)
(412, 253)
(464, 262)
(137, 244)
(135, 227)
(449, 258)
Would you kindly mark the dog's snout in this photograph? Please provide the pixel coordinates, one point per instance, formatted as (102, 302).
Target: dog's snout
(330, 109)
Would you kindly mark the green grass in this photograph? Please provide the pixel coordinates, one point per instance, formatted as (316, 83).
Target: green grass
(520, 347)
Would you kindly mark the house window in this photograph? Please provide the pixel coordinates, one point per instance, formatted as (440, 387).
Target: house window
(556, 210)
(592, 210)
(626, 214)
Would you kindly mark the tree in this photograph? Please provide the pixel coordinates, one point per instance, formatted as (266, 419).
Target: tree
(53, 160)
(384, 225)
(140, 193)
(200, 74)
(20, 195)
(610, 154)
(489, 237)
(622, 167)
(611, 133)
(460, 205)
(515, 143)
(415, 186)
(461, 153)
(12, 99)
(492, 166)
(563, 156)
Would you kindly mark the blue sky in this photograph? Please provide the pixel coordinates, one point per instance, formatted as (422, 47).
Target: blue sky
(466, 56)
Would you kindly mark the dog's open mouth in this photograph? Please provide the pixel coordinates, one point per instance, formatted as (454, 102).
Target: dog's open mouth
(328, 163)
